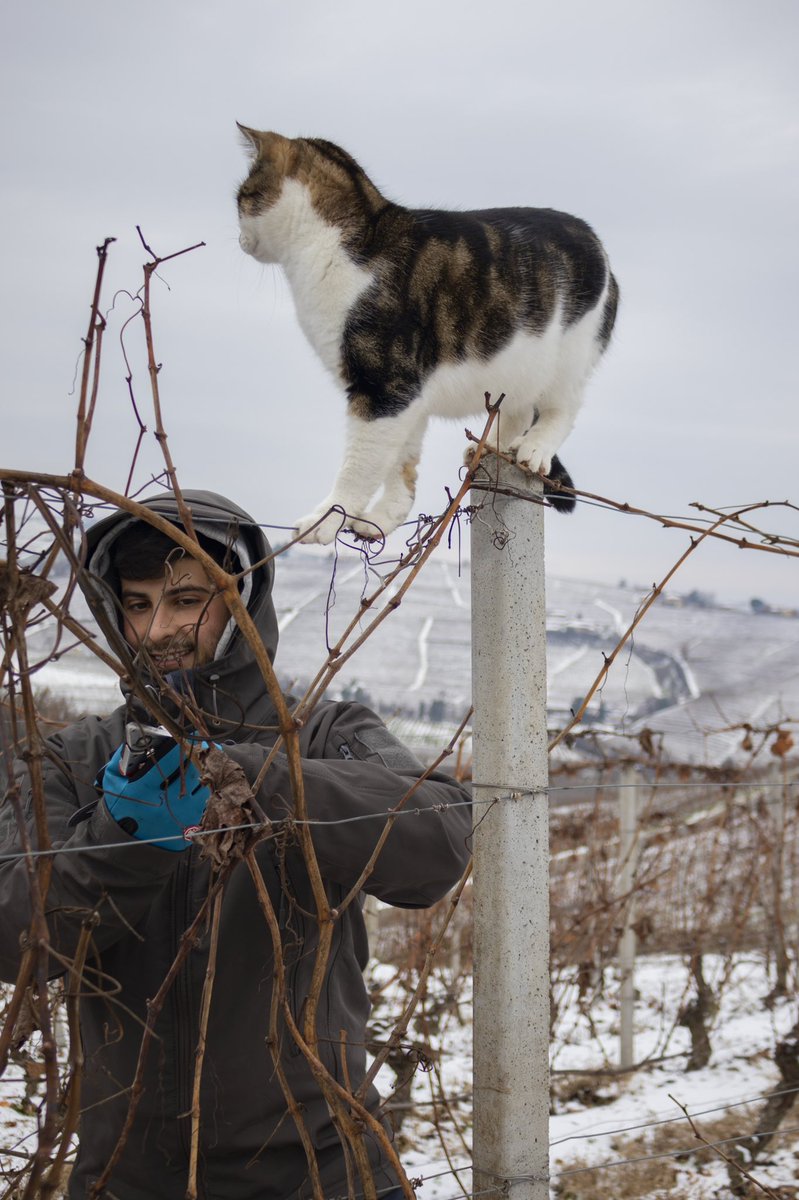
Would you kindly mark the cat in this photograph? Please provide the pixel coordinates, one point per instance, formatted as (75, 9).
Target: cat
(420, 312)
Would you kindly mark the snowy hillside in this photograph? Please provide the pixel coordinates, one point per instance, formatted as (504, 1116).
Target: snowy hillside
(691, 667)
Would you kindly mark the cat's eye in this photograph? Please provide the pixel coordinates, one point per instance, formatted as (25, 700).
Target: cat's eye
(248, 200)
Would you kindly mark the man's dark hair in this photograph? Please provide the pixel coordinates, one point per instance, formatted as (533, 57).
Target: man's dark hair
(141, 551)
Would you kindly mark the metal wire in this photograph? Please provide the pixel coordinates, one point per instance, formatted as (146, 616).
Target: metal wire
(678, 1152)
(511, 795)
(699, 1149)
(598, 1132)
(509, 1180)
(252, 825)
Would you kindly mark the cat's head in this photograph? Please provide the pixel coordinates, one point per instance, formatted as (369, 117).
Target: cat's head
(288, 174)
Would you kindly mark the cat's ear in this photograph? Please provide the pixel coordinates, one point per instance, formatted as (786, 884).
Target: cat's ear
(251, 140)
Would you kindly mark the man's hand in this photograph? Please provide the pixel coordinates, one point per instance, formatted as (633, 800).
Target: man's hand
(166, 802)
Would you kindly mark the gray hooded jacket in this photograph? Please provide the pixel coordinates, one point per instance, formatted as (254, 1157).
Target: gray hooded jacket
(146, 897)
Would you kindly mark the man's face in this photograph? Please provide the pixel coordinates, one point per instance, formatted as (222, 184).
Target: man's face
(179, 618)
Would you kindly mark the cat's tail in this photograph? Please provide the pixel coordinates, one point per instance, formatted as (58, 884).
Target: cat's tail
(562, 501)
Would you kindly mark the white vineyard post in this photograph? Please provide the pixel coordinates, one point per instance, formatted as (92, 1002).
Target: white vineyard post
(629, 842)
(511, 840)
(371, 919)
(775, 802)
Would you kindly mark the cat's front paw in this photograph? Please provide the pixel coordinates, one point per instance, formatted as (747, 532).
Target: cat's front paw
(322, 526)
(380, 521)
(471, 450)
(367, 529)
(532, 455)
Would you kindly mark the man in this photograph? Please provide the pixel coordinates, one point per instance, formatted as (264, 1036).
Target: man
(138, 866)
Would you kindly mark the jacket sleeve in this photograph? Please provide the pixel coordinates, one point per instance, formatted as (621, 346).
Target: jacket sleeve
(95, 869)
(354, 773)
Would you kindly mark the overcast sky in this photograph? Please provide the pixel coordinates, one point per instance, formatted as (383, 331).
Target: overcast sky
(672, 128)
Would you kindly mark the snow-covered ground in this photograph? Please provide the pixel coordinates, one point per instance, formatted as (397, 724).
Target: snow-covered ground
(605, 1118)
(599, 1118)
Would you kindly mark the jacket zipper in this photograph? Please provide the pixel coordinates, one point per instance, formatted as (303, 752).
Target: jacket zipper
(214, 680)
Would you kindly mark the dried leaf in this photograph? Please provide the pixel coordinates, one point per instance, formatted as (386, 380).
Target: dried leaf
(646, 742)
(230, 806)
(782, 743)
(22, 589)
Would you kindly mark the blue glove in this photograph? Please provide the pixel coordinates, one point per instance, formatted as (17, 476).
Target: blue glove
(163, 802)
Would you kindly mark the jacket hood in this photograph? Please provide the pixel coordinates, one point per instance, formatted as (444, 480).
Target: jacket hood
(230, 691)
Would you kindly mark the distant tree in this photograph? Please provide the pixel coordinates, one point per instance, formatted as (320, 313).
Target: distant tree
(438, 711)
(759, 606)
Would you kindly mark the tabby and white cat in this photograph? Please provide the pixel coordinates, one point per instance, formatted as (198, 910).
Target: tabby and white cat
(419, 313)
